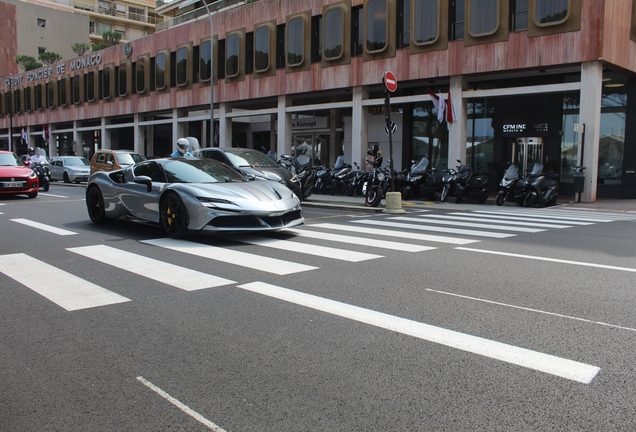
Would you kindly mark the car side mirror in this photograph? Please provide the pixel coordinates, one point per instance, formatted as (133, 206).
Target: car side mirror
(249, 176)
(109, 163)
(144, 180)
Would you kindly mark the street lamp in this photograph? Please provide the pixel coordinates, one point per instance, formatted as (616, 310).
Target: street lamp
(207, 8)
(10, 110)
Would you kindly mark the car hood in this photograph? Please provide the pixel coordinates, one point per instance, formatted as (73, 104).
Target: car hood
(272, 173)
(14, 171)
(262, 192)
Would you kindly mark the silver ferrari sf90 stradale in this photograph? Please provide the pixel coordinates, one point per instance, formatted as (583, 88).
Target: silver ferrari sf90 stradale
(191, 195)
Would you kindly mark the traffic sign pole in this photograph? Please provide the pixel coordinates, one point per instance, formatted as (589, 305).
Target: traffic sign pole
(390, 85)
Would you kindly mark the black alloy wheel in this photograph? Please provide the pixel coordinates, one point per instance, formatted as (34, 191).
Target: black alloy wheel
(95, 205)
(173, 216)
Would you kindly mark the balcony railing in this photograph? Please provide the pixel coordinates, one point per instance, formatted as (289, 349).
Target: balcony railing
(90, 7)
(215, 6)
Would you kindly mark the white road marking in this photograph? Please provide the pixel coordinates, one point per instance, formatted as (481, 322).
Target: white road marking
(44, 227)
(526, 218)
(256, 262)
(179, 277)
(534, 360)
(362, 241)
(532, 310)
(421, 219)
(183, 407)
(546, 216)
(398, 234)
(52, 195)
(434, 228)
(497, 220)
(562, 261)
(64, 289)
(310, 249)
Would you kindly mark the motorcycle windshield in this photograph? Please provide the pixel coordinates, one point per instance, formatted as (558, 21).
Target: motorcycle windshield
(339, 162)
(512, 172)
(420, 168)
(537, 169)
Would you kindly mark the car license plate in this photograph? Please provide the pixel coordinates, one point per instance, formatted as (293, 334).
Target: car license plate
(13, 184)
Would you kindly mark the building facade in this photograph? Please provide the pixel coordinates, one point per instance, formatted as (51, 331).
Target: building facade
(523, 81)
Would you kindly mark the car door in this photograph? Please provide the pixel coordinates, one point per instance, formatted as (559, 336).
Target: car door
(140, 202)
(57, 169)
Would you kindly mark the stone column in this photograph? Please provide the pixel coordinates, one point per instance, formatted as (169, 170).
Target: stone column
(359, 127)
(457, 130)
(590, 116)
(284, 139)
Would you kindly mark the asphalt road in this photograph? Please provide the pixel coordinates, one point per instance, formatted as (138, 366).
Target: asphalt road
(513, 323)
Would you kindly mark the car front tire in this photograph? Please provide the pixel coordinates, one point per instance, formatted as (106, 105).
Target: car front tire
(173, 216)
(95, 205)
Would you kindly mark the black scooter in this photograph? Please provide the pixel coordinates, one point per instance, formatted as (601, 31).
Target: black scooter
(541, 188)
(421, 181)
(470, 185)
(449, 185)
(512, 187)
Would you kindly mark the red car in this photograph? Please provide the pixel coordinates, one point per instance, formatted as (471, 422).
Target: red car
(15, 178)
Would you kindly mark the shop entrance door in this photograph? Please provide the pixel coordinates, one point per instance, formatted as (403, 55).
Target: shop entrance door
(314, 145)
(526, 152)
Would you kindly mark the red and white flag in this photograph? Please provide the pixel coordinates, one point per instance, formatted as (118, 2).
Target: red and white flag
(444, 108)
(45, 129)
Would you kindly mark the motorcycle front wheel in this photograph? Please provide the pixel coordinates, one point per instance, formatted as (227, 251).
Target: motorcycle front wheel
(373, 198)
(444, 194)
(407, 193)
(501, 198)
(459, 198)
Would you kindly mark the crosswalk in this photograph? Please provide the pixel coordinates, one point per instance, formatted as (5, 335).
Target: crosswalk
(354, 241)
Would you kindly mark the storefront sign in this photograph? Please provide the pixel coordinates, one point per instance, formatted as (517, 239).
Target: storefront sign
(309, 123)
(516, 128)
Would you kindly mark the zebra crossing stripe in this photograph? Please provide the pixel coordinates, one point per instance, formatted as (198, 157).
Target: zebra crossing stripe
(546, 216)
(534, 360)
(44, 227)
(397, 234)
(170, 274)
(310, 249)
(472, 225)
(361, 241)
(64, 289)
(243, 259)
(434, 228)
(527, 220)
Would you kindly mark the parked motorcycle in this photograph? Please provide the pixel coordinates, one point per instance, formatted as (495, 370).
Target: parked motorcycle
(541, 188)
(324, 180)
(470, 185)
(340, 172)
(44, 175)
(356, 180)
(449, 185)
(421, 181)
(306, 175)
(512, 187)
(378, 184)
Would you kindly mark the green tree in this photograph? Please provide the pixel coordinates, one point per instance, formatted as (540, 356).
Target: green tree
(49, 58)
(112, 37)
(80, 48)
(27, 62)
(97, 47)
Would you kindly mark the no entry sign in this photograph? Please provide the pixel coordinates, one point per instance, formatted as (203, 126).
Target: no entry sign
(390, 81)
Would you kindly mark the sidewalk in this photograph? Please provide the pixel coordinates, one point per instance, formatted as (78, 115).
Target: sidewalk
(357, 203)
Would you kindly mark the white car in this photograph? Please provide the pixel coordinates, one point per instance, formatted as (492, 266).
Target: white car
(70, 169)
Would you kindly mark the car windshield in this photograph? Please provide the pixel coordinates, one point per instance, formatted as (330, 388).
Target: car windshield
(200, 171)
(250, 158)
(10, 159)
(80, 161)
(128, 158)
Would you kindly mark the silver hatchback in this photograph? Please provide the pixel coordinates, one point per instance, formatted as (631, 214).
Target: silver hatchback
(70, 169)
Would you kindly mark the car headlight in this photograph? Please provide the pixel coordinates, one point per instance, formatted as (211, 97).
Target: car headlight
(32, 175)
(212, 202)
